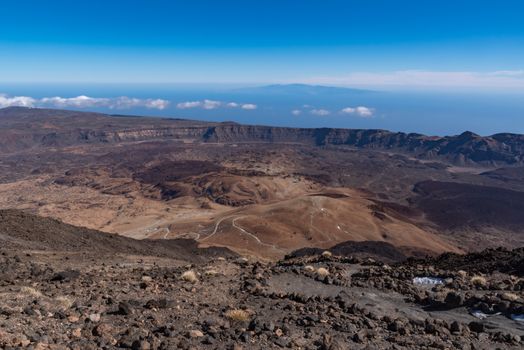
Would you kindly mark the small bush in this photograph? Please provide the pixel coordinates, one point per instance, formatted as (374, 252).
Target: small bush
(479, 281)
(190, 276)
(327, 254)
(309, 268)
(238, 315)
(462, 273)
(322, 272)
(509, 296)
(211, 272)
(31, 291)
(147, 279)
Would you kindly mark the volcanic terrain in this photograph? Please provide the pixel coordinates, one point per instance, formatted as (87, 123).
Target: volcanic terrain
(65, 287)
(145, 233)
(263, 191)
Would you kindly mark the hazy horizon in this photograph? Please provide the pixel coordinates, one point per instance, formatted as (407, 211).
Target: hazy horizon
(428, 112)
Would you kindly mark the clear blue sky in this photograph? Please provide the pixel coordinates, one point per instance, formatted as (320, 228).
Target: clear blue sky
(377, 43)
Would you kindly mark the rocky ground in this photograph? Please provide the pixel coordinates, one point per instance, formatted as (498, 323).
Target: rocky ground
(84, 300)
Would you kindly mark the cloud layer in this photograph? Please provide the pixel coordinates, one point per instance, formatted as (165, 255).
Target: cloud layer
(320, 112)
(122, 102)
(210, 104)
(423, 78)
(20, 101)
(360, 111)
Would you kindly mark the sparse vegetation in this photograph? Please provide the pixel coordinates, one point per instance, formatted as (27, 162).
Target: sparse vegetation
(479, 281)
(509, 296)
(31, 291)
(315, 275)
(238, 315)
(322, 272)
(190, 276)
(211, 272)
(327, 254)
(146, 279)
(462, 273)
(309, 268)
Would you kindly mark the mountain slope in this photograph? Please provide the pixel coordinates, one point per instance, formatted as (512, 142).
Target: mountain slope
(22, 128)
(20, 230)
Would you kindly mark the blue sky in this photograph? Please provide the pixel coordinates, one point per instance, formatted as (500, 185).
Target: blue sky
(387, 44)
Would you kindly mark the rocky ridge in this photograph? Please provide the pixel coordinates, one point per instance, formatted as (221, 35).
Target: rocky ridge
(23, 128)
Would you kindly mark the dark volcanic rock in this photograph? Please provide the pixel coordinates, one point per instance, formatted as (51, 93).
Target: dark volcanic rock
(455, 205)
(382, 250)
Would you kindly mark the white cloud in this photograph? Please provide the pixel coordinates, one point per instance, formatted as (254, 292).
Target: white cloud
(157, 103)
(509, 73)
(422, 78)
(320, 112)
(189, 104)
(18, 101)
(82, 101)
(210, 104)
(206, 104)
(296, 112)
(249, 106)
(78, 102)
(349, 110)
(359, 111)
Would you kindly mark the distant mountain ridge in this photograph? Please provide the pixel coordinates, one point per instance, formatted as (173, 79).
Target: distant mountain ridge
(304, 90)
(22, 128)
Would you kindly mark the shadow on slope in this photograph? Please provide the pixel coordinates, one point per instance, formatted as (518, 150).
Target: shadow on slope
(457, 206)
(20, 230)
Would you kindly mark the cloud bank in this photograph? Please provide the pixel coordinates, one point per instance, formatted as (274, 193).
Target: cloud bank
(82, 101)
(320, 112)
(210, 104)
(249, 106)
(360, 111)
(20, 101)
(422, 78)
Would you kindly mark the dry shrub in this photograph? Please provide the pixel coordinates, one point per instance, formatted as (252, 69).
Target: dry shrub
(479, 281)
(509, 296)
(322, 272)
(211, 272)
(31, 291)
(309, 268)
(147, 279)
(190, 276)
(238, 315)
(327, 254)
